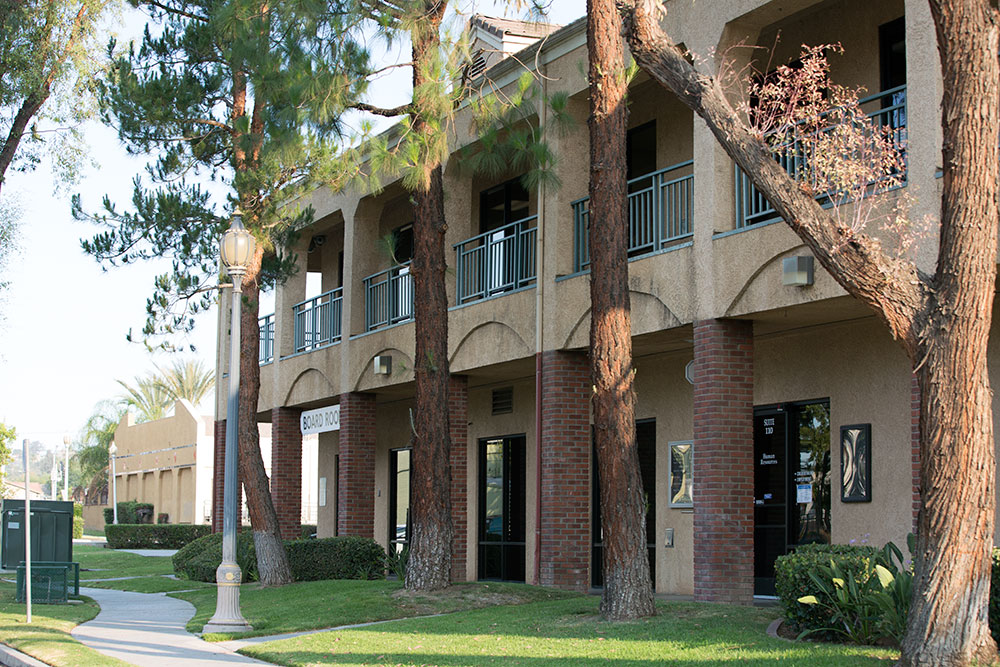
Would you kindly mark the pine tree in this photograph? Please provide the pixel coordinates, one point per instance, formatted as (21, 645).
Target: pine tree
(242, 92)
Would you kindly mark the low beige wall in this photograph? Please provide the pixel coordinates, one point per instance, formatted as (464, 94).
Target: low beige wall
(93, 517)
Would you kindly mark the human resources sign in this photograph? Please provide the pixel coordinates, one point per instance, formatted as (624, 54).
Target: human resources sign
(320, 420)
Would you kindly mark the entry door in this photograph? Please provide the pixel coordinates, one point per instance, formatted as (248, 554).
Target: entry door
(502, 508)
(791, 483)
(399, 499)
(645, 436)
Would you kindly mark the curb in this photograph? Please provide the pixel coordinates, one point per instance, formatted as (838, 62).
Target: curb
(14, 658)
(772, 631)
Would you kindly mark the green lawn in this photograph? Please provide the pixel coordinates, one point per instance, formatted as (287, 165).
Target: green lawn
(149, 585)
(107, 563)
(323, 604)
(48, 638)
(566, 633)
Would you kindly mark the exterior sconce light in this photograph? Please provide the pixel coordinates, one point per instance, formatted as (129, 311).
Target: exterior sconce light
(797, 271)
(383, 364)
(689, 373)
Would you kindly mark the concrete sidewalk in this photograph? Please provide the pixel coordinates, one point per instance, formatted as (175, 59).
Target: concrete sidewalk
(148, 630)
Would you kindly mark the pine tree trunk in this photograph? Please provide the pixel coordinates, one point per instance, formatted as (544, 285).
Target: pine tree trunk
(627, 589)
(429, 566)
(948, 622)
(272, 561)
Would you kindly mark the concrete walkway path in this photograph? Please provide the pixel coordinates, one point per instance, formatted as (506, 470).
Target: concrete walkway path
(148, 630)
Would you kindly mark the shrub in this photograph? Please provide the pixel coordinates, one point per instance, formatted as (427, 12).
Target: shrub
(152, 536)
(792, 580)
(336, 558)
(77, 520)
(308, 531)
(199, 559)
(311, 560)
(130, 511)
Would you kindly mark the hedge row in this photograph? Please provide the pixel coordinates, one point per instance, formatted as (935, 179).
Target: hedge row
(77, 520)
(152, 536)
(130, 511)
(310, 559)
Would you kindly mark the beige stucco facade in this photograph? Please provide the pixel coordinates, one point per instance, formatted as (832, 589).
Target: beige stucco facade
(810, 343)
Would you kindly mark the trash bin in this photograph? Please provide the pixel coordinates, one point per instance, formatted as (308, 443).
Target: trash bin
(51, 532)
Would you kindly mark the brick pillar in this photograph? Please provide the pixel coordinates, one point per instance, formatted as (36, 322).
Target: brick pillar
(723, 461)
(218, 474)
(565, 474)
(356, 476)
(915, 446)
(458, 416)
(286, 470)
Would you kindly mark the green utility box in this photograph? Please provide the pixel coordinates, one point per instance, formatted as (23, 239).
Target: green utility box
(50, 584)
(51, 532)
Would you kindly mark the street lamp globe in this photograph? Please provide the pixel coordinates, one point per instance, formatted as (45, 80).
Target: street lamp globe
(237, 247)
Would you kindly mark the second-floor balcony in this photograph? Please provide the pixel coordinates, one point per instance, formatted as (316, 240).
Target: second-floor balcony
(317, 321)
(885, 110)
(388, 297)
(659, 213)
(500, 260)
(266, 349)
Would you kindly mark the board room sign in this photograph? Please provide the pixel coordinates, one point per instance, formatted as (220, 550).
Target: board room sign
(320, 420)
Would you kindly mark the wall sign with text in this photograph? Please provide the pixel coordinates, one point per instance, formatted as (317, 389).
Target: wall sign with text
(320, 420)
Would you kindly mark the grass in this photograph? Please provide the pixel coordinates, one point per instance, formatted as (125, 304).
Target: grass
(106, 563)
(564, 633)
(48, 638)
(149, 585)
(312, 605)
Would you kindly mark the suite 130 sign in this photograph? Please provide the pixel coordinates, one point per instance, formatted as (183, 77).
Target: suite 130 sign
(320, 420)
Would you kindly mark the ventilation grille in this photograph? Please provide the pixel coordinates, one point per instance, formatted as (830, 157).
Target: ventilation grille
(503, 401)
(476, 67)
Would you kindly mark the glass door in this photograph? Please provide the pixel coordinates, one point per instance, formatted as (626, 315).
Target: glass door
(399, 499)
(502, 508)
(791, 483)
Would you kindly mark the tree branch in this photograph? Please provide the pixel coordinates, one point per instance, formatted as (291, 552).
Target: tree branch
(175, 11)
(891, 286)
(380, 111)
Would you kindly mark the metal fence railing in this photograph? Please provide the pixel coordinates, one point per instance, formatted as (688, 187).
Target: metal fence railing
(266, 348)
(497, 261)
(317, 321)
(388, 297)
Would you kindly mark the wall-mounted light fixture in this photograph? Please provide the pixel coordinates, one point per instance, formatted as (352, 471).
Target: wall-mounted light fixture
(689, 372)
(383, 364)
(797, 271)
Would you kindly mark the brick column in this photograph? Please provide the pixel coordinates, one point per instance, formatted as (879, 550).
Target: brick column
(356, 477)
(218, 474)
(565, 474)
(286, 470)
(915, 446)
(723, 461)
(458, 416)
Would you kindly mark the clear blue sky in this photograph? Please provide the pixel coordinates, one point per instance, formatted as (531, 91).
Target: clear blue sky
(63, 321)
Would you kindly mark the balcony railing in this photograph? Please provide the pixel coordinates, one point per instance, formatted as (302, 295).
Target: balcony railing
(659, 213)
(388, 297)
(885, 110)
(498, 261)
(266, 349)
(317, 320)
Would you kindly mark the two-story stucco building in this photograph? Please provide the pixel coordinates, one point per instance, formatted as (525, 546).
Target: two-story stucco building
(813, 427)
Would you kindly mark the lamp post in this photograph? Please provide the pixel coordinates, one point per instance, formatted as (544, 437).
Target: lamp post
(113, 449)
(66, 469)
(237, 248)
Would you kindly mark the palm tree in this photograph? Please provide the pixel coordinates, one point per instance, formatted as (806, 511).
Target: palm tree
(189, 380)
(148, 397)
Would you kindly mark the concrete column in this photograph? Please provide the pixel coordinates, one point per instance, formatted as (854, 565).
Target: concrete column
(286, 470)
(458, 415)
(723, 461)
(565, 472)
(287, 294)
(178, 504)
(356, 483)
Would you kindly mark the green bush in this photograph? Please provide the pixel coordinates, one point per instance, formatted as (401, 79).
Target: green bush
(199, 559)
(130, 511)
(78, 510)
(311, 559)
(77, 527)
(308, 531)
(792, 580)
(152, 536)
(336, 558)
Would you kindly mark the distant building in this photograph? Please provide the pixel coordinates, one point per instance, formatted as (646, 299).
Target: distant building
(14, 488)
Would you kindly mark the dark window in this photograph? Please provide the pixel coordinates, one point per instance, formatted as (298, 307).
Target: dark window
(640, 150)
(645, 437)
(892, 53)
(399, 499)
(402, 243)
(340, 269)
(502, 205)
(502, 508)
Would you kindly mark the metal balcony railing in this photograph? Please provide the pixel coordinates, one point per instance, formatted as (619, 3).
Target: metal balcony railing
(888, 110)
(497, 261)
(659, 213)
(317, 320)
(388, 297)
(266, 348)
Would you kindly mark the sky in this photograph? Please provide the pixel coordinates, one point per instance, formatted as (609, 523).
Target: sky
(64, 320)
